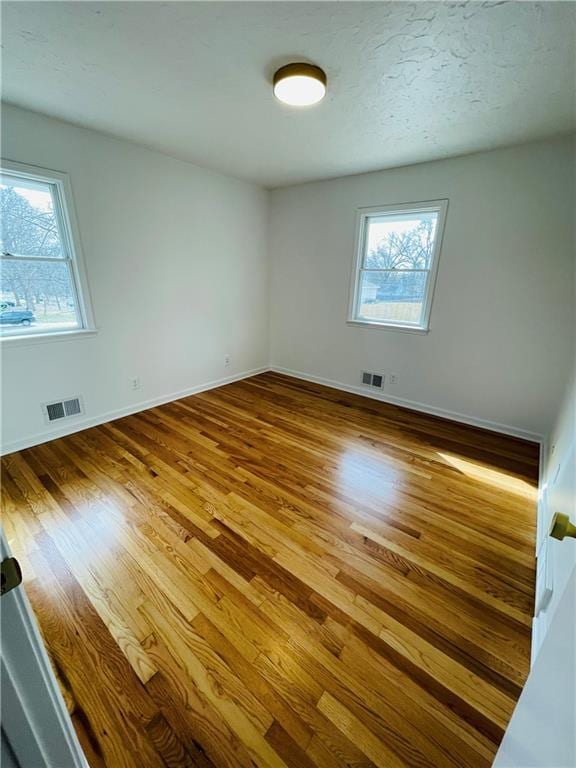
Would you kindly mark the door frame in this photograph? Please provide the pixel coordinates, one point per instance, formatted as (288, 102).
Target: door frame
(35, 720)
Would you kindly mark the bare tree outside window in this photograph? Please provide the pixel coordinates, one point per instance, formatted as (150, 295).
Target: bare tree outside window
(36, 284)
(396, 262)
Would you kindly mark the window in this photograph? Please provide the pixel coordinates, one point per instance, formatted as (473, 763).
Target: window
(397, 258)
(41, 290)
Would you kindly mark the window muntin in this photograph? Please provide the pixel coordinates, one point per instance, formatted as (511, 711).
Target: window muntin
(397, 259)
(39, 281)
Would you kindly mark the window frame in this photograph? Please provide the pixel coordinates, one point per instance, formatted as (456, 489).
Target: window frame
(362, 218)
(65, 214)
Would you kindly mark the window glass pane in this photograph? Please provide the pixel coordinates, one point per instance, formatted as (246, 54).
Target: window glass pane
(29, 225)
(400, 241)
(395, 297)
(36, 296)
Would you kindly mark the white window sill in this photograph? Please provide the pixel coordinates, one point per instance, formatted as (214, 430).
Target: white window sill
(388, 326)
(42, 338)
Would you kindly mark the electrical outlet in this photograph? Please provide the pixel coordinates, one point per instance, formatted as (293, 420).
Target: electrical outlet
(135, 383)
(393, 378)
(227, 361)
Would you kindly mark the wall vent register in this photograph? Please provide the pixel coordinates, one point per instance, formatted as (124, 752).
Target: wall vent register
(63, 409)
(372, 379)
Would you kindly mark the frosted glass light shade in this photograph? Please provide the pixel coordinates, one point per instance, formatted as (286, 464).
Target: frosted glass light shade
(300, 85)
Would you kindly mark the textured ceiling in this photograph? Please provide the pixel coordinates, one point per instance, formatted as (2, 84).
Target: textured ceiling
(408, 82)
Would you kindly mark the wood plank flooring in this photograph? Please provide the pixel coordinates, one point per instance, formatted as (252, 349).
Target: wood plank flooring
(275, 573)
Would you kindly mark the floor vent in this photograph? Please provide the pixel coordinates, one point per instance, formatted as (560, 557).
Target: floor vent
(372, 379)
(63, 409)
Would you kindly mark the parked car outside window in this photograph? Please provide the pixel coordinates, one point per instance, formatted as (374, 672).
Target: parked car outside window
(16, 317)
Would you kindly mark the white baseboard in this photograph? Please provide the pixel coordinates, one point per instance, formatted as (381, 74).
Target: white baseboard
(413, 405)
(103, 418)
(80, 424)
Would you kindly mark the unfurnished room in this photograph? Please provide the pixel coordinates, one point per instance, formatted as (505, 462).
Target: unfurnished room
(288, 384)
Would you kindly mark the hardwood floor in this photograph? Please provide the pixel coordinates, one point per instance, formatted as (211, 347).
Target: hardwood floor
(275, 573)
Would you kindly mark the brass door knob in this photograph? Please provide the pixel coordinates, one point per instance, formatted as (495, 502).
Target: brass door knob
(562, 527)
(10, 574)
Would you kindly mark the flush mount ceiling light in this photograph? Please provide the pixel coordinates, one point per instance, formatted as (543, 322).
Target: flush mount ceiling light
(300, 84)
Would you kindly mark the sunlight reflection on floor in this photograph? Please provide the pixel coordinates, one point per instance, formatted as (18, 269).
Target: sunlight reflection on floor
(494, 477)
(365, 474)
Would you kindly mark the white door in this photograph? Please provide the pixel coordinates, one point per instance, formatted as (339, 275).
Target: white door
(36, 730)
(542, 732)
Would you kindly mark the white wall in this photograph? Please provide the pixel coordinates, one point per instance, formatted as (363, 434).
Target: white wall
(502, 316)
(541, 732)
(177, 266)
(178, 270)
